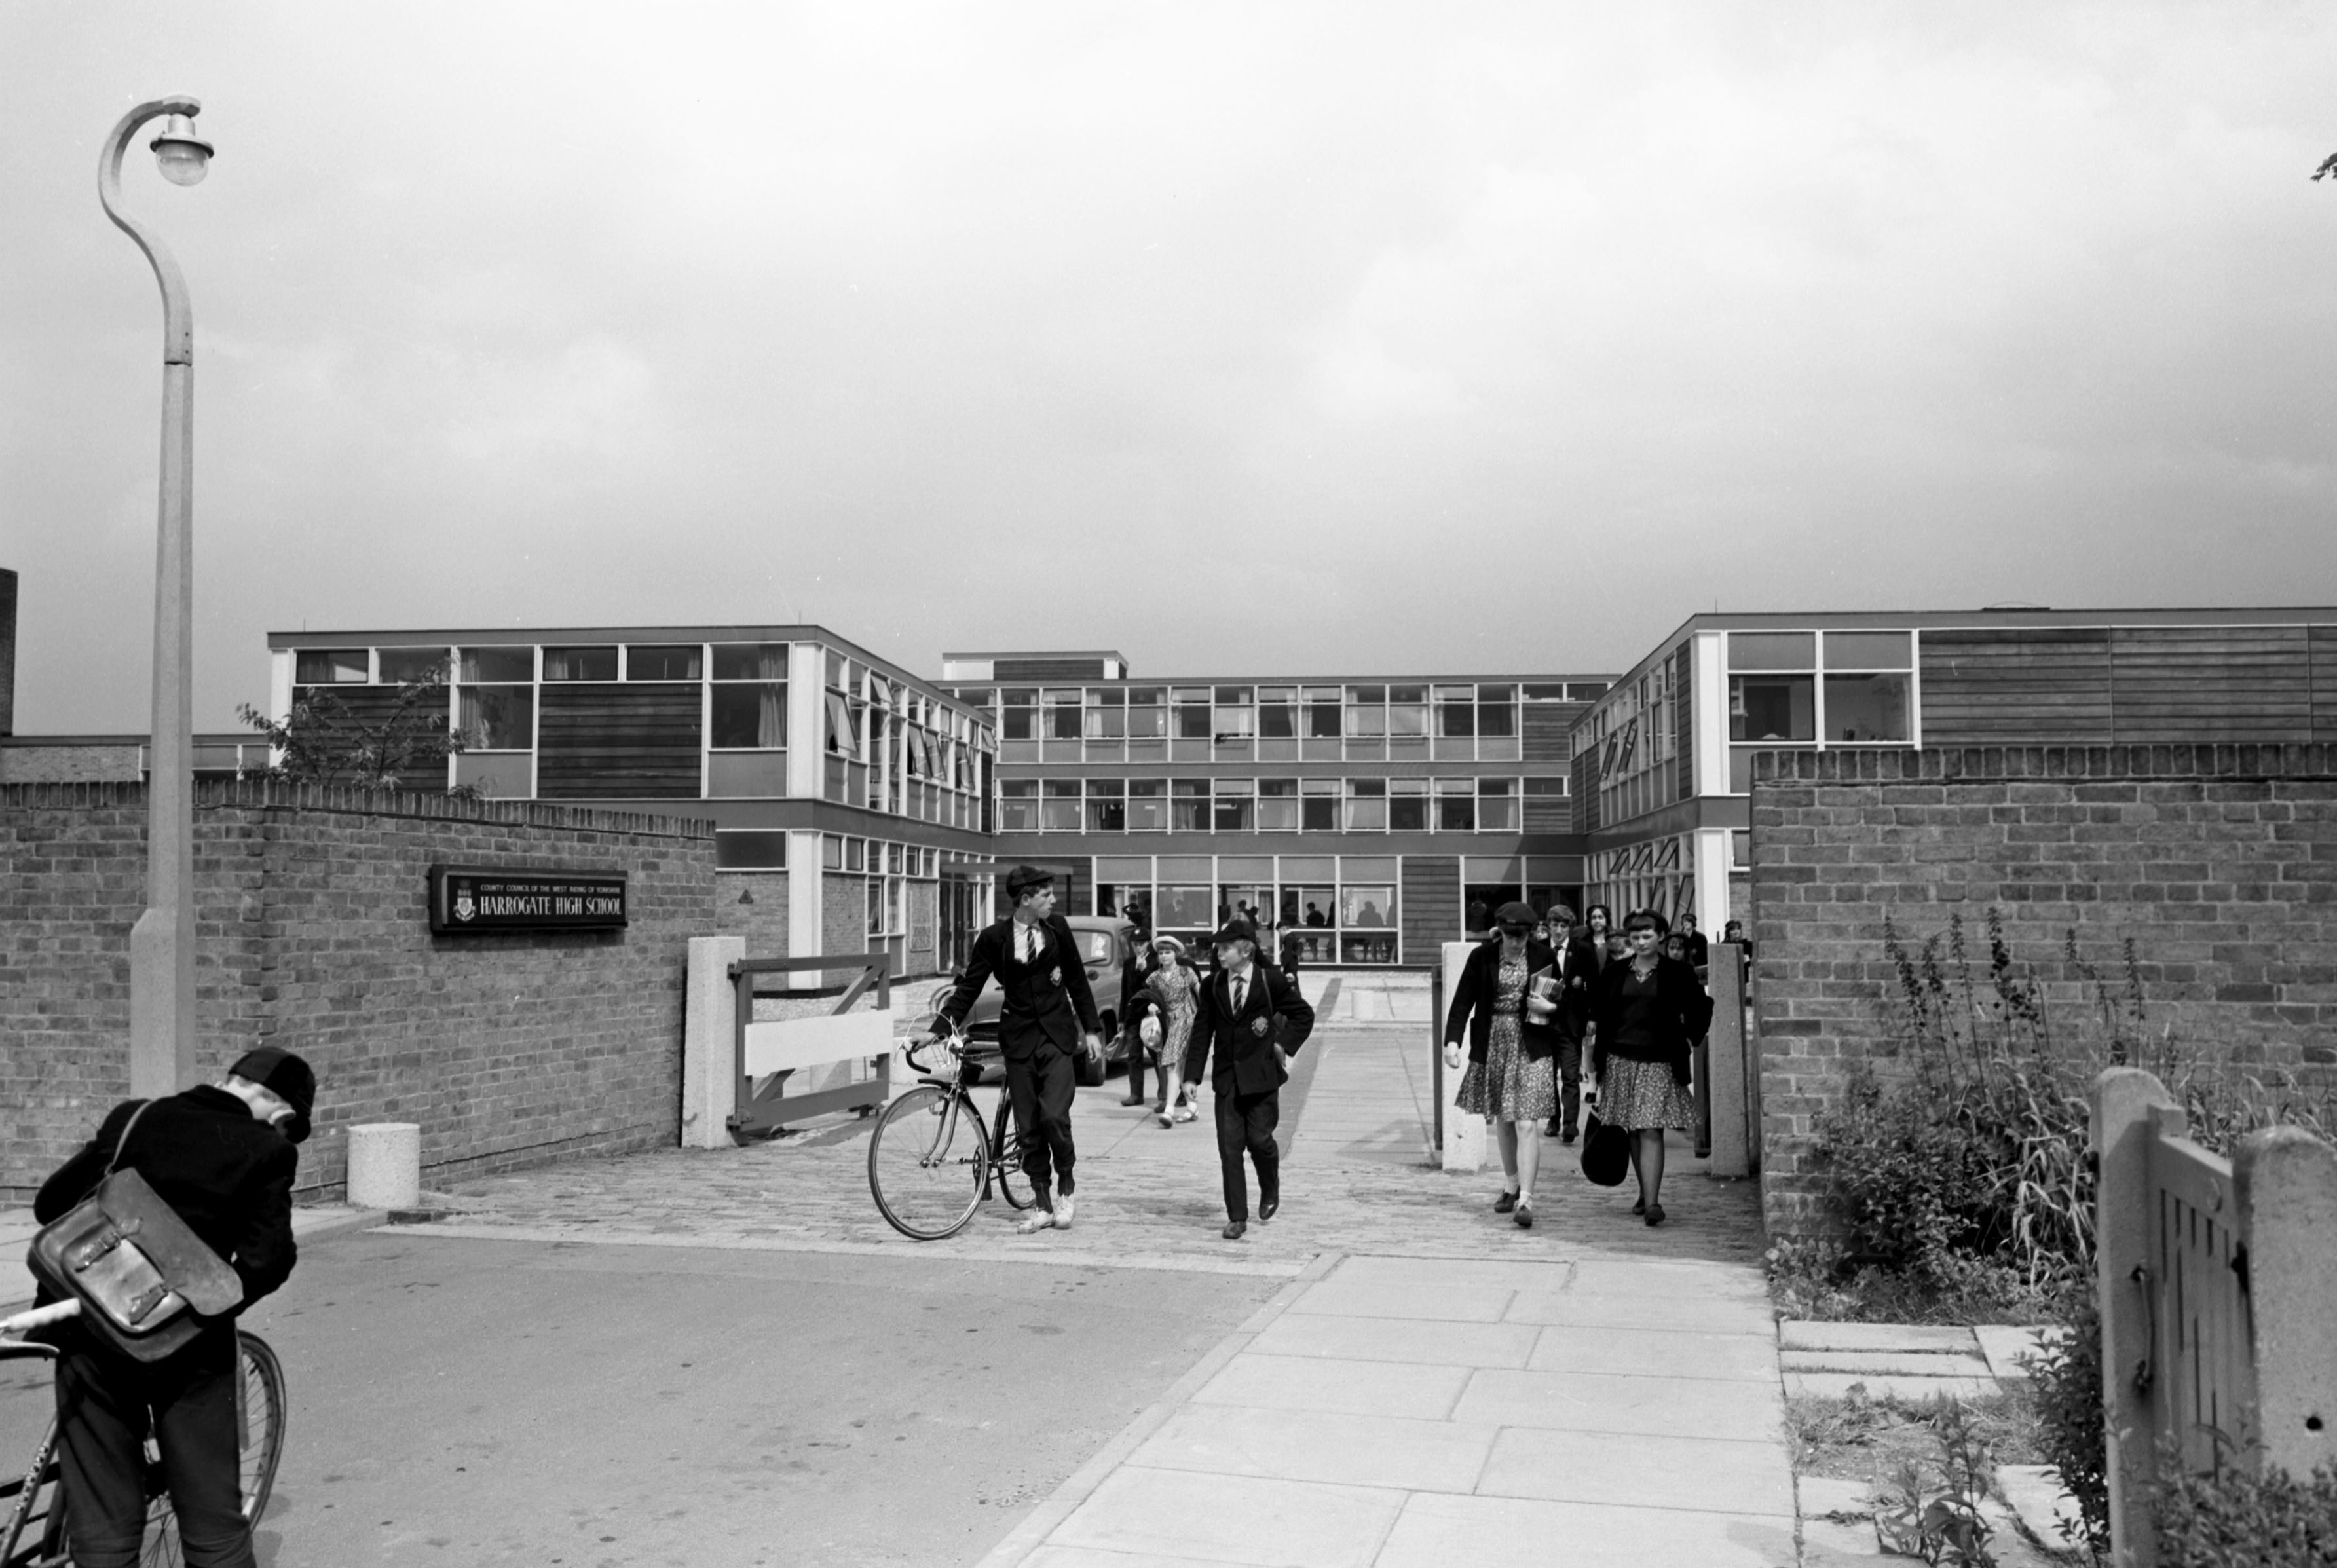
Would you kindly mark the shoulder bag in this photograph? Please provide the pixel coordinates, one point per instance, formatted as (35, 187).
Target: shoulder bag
(1605, 1151)
(145, 1281)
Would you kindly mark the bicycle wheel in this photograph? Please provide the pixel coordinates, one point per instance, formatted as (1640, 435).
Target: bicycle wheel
(1007, 1141)
(261, 1430)
(925, 1162)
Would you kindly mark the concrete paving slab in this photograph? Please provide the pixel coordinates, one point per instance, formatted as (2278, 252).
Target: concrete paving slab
(1440, 1532)
(1701, 1473)
(2007, 1347)
(1356, 1296)
(1799, 1334)
(1338, 1388)
(1693, 1314)
(1888, 1363)
(1602, 1402)
(1439, 1344)
(1503, 1273)
(1913, 1390)
(1830, 1544)
(1639, 1277)
(1304, 1446)
(1232, 1519)
(2034, 1494)
(1656, 1353)
(1821, 1494)
(1089, 1557)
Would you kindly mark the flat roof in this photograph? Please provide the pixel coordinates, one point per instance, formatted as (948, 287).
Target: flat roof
(1538, 676)
(1047, 653)
(2037, 615)
(532, 636)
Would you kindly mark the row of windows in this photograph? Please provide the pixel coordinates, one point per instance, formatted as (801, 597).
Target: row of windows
(1267, 805)
(1360, 722)
(506, 664)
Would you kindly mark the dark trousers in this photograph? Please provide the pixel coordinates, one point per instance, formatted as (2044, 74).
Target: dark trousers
(1570, 1086)
(105, 1405)
(1247, 1122)
(1136, 1059)
(1040, 1090)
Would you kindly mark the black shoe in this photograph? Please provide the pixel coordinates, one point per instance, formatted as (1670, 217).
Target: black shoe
(1267, 1207)
(1525, 1216)
(1638, 1205)
(1568, 1136)
(1654, 1214)
(1550, 1130)
(1133, 1100)
(1233, 1229)
(1505, 1203)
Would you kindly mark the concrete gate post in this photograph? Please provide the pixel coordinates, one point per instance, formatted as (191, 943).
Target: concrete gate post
(1464, 1133)
(709, 1043)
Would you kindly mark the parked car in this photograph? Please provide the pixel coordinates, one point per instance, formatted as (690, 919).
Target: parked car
(1106, 943)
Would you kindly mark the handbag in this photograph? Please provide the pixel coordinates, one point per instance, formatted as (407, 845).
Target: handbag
(145, 1282)
(1606, 1152)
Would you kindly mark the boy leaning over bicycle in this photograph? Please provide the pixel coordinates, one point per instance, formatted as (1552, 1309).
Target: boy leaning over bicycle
(222, 1155)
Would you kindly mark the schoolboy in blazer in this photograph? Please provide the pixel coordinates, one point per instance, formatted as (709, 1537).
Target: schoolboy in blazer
(1255, 1019)
(1050, 1012)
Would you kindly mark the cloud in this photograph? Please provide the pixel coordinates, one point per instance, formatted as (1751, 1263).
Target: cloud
(1497, 338)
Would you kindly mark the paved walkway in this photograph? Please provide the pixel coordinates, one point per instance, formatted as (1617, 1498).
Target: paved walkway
(1433, 1385)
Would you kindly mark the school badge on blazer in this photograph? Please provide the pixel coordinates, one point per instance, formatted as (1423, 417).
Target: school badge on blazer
(1054, 976)
(1257, 1027)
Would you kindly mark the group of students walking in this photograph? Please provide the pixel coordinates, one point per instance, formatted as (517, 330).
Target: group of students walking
(1538, 999)
(1536, 1004)
(1246, 1012)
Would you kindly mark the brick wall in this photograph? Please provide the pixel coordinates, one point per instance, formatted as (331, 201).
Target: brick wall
(754, 904)
(312, 933)
(2219, 862)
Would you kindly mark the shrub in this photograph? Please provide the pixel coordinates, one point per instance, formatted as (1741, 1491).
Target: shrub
(2068, 1381)
(2232, 1519)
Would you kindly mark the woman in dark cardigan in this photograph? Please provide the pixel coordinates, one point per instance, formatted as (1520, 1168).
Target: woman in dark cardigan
(1512, 1048)
(1643, 1013)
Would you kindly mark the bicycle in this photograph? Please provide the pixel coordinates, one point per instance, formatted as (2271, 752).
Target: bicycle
(33, 1534)
(931, 1161)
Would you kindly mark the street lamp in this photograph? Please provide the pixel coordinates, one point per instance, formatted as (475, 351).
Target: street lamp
(163, 942)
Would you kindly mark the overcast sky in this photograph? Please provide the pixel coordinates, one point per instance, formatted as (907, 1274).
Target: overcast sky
(1335, 339)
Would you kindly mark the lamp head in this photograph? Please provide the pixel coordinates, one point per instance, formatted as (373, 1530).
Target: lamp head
(182, 156)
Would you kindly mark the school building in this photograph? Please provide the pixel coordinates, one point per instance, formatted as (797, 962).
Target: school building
(858, 804)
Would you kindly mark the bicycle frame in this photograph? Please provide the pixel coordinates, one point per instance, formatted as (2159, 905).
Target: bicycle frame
(29, 1487)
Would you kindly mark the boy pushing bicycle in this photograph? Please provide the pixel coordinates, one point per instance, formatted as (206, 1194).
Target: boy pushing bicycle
(1049, 1013)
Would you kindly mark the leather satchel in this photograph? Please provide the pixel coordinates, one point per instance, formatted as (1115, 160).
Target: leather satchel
(145, 1282)
(1606, 1152)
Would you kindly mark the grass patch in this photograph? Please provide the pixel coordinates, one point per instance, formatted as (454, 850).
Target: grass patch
(1860, 1438)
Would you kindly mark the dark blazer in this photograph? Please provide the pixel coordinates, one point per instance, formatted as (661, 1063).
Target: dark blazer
(227, 1173)
(1273, 1013)
(1590, 950)
(1474, 995)
(1046, 1001)
(1683, 1014)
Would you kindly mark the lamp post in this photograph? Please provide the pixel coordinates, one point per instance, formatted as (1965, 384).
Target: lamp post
(163, 942)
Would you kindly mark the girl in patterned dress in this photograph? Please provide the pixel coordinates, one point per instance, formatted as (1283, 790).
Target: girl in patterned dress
(1173, 987)
(1513, 1048)
(1647, 1011)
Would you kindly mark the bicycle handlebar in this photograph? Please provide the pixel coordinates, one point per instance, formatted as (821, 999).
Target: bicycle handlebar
(38, 1317)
